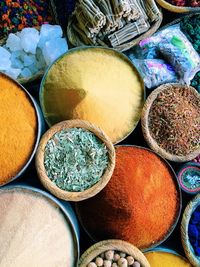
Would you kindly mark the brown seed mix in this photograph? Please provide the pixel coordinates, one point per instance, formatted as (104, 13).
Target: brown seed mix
(174, 120)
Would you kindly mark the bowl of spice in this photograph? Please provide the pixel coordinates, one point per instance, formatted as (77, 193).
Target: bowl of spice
(164, 257)
(190, 231)
(36, 229)
(115, 253)
(21, 127)
(75, 160)
(94, 84)
(189, 178)
(170, 122)
(180, 6)
(141, 203)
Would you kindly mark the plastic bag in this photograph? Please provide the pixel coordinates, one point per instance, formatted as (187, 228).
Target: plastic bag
(148, 48)
(155, 72)
(179, 52)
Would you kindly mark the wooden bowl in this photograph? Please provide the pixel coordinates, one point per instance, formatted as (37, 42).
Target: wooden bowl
(177, 9)
(51, 186)
(193, 204)
(112, 244)
(145, 125)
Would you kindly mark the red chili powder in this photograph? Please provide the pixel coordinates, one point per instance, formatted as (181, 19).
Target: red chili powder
(139, 204)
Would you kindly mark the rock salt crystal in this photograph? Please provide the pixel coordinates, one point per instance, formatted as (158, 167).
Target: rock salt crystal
(53, 49)
(29, 40)
(13, 42)
(28, 52)
(5, 62)
(48, 32)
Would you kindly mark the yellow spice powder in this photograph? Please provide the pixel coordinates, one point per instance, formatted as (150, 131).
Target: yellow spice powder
(33, 232)
(18, 126)
(94, 84)
(165, 259)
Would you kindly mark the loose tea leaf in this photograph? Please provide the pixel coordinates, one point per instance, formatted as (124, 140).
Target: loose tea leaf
(75, 159)
(174, 120)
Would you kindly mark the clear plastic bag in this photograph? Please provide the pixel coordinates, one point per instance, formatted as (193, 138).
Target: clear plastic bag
(148, 48)
(179, 52)
(155, 72)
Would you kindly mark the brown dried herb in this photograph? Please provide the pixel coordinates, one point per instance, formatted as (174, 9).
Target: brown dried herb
(174, 120)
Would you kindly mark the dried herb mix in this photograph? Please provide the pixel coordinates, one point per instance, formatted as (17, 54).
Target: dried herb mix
(75, 159)
(174, 120)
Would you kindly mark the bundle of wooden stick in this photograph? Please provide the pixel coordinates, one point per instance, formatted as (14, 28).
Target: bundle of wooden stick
(110, 22)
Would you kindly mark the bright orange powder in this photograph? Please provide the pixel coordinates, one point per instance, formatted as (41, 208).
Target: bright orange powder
(18, 126)
(138, 205)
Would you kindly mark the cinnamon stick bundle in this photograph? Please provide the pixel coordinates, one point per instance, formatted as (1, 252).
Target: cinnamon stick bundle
(128, 32)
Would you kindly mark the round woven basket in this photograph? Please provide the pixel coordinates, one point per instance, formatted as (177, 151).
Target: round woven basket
(127, 45)
(112, 244)
(51, 186)
(195, 261)
(145, 125)
(177, 9)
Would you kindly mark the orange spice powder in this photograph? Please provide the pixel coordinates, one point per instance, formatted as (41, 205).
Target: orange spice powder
(139, 204)
(18, 127)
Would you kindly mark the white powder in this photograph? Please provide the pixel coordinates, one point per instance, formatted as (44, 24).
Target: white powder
(33, 231)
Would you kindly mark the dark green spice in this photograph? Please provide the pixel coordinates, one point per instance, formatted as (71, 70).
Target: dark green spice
(75, 159)
(190, 26)
(196, 82)
(174, 120)
(191, 178)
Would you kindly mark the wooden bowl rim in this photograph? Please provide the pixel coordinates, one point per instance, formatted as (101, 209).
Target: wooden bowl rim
(145, 125)
(179, 202)
(112, 244)
(177, 9)
(53, 188)
(190, 208)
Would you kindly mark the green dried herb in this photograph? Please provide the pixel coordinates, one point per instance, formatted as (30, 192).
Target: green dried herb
(75, 159)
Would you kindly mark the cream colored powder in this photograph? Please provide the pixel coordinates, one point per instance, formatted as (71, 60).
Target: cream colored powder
(98, 85)
(33, 231)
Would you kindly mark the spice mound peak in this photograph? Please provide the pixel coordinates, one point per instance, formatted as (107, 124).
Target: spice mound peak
(140, 204)
(94, 84)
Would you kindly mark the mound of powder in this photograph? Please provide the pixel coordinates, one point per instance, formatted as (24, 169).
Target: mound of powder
(94, 84)
(140, 203)
(18, 126)
(34, 232)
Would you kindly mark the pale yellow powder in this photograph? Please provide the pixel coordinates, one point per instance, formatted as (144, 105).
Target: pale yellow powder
(97, 85)
(165, 259)
(33, 232)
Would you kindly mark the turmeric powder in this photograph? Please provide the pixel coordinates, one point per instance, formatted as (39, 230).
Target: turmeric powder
(95, 84)
(166, 259)
(18, 126)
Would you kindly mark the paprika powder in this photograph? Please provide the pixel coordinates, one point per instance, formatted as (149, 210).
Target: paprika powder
(140, 204)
